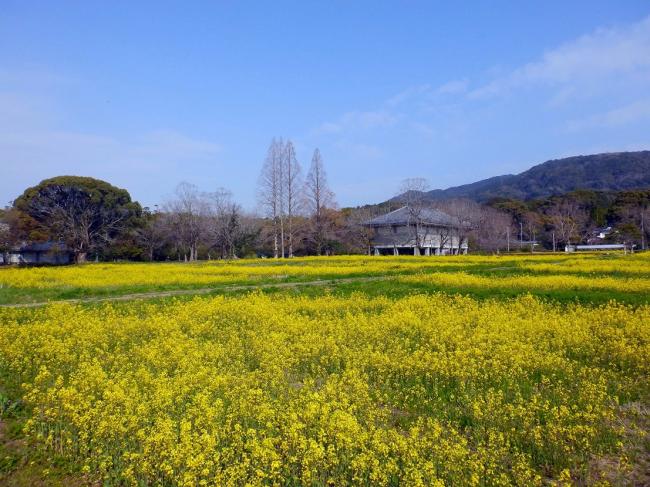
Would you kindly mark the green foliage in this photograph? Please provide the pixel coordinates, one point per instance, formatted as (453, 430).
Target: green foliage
(615, 171)
(85, 213)
(621, 210)
(98, 191)
(515, 208)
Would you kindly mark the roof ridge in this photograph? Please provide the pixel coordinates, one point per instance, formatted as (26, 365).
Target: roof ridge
(398, 209)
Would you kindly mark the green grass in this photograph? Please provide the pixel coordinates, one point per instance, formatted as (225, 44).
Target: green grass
(396, 290)
(24, 464)
(505, 266)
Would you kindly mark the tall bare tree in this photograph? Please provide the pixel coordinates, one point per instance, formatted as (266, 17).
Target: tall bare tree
(318, 197)
(153, 232)
(271, 192)
(466, 215)
(412, 193)
(532, 223)
(567, 218)
(292, 190)
(225, 223)
(189, 210)
(493, 229)
(356, 235)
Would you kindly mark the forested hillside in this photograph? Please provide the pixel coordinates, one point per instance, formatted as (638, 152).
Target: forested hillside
(615, 171)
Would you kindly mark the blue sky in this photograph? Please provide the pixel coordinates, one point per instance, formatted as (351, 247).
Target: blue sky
(149, 94)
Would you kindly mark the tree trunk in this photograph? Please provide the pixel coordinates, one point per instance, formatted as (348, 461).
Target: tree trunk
(275, 237)
(80, 257)
(282, 237)
(290, 238)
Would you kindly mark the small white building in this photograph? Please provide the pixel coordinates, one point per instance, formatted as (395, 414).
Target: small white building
(598, 247)
(423, 232)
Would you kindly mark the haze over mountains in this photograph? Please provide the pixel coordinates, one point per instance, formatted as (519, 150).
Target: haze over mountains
(614, 171)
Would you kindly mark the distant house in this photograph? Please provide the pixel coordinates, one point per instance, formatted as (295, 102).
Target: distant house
(425, 232)
(40, 253)
(594, 247)
(599, 235)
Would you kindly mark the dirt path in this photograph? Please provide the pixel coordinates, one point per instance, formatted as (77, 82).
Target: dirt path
(207, 290)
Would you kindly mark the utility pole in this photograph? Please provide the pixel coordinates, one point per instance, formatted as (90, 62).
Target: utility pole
(532, 243)
(642, 230)
(508, 238)
(553, 241)
(521, 234)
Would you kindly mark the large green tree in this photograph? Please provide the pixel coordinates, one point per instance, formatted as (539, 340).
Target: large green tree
(85, 213)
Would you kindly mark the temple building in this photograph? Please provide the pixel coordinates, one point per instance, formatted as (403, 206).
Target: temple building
(424, 231)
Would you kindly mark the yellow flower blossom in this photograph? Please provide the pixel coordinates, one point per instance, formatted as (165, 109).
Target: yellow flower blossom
(281, 389)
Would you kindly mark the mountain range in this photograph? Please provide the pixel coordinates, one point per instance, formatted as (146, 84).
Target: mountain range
(612, 171)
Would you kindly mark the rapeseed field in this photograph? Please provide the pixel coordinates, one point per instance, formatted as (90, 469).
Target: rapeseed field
(418, 388)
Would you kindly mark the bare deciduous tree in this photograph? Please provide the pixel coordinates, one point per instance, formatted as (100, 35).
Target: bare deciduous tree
(567, 218)
(493, 229)
(189, 210)
(153, 233)
(355, 234)
(532, 223)
(318, 198)
(466, 215)
(225, 223)
(270, 193)
(412, 193)
(292, 190)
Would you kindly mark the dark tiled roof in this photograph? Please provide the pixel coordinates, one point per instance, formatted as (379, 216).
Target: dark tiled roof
(43, 247)
(404, 216)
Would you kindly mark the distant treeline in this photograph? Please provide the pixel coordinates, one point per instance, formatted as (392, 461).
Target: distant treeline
(297, 216)
(582, 216)
(95, 220)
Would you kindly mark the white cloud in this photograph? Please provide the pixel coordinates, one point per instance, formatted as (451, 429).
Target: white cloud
(173, 145)
(137, 163)
(34, 77)
(453, 87)
(34, 147)
(631, 113)
(329, 128)
(616, 51)
(362, 122)
(566, 87)
(56, 150)
(407, 94)
(359, 150)
(357, 120)
(427, 92)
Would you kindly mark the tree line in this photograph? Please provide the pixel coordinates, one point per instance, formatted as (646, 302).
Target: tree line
(507, 225)
(95, 220)
(582, 216)
(298, 215)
